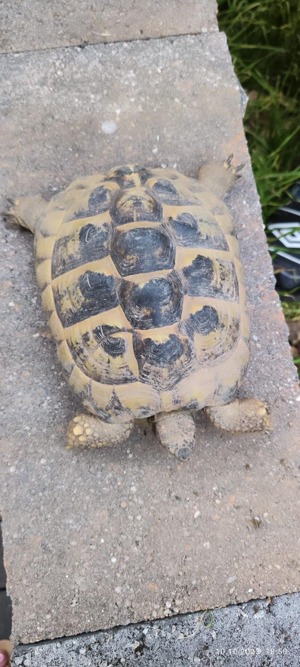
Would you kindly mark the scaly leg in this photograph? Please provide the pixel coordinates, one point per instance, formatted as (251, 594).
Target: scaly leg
(218, 177)
(88, 431)
(246, 414)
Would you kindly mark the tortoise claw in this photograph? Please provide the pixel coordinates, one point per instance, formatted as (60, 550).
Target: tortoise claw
(229, 160)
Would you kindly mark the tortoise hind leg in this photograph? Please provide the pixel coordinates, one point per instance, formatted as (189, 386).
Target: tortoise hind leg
(26, 211)
(176, 432)
(247, 414)
(86, 430)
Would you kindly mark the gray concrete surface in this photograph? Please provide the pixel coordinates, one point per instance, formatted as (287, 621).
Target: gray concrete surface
(27, 25)
(96, 539)
(113, 537)
(71, 111)
(261, 633)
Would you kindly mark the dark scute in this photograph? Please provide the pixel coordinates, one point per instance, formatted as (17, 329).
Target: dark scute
(122, 176)
(185, 220)
(77, 349)
(136, 208)
(112, 346)
(144, 174)
(94, 243)
(104, 330)
(97, 287)
(61, 260)
(154, 358)
(114, 407)
(99, 292)
(115, 347)
(99, 201)
(103, 372)
(187, 233)
(204, 321)
(198, 275)
(127, 169)
(165, 190)
(157, 304)
(159, 354)
(141, 250)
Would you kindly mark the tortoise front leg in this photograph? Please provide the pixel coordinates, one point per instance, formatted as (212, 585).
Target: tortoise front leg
(86, 430)
(246, 414)
(218, 177)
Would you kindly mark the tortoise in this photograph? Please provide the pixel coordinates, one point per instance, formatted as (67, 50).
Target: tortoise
(144, 290)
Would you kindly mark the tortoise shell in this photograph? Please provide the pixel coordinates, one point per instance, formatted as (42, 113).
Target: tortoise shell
(143, 285)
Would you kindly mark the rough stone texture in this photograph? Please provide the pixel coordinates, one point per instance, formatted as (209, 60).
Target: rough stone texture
(73, 111)
(99, 538)
(27, 25)
(262, 633)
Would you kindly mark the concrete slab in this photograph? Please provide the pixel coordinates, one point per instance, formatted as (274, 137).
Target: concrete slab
(77, 110)
(261, 633)
(96, 539)
(27, 25)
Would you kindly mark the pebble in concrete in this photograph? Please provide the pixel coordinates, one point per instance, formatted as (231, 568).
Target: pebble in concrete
(96, 539)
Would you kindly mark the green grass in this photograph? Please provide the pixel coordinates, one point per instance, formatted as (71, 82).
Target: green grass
(264, 42)
(290, 308)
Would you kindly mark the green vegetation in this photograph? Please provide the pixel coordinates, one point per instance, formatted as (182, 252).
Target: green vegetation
(264, 41)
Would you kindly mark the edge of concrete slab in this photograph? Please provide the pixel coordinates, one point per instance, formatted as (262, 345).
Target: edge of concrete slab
(39, 25)
(259, 633)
